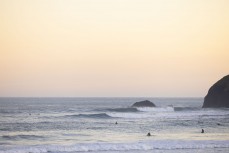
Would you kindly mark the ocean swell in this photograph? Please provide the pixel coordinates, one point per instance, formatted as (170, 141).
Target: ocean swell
(99, 115)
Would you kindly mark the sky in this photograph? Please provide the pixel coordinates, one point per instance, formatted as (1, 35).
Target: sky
(112, 48)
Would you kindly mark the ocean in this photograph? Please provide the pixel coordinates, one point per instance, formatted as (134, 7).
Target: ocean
(81, 125)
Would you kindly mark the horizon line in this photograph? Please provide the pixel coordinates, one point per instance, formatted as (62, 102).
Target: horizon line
(100, 97)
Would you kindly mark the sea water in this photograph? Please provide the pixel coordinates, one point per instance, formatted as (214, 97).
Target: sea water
(76, 125)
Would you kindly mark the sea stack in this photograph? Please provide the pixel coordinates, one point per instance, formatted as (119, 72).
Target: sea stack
(218, 94)
(145, 103)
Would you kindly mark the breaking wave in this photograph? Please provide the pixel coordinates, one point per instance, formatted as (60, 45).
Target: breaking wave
(156, 109)
(143, 145)
(150, 112)
(138, 109)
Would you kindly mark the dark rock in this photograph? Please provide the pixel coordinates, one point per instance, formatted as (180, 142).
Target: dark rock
(145, 103)
(218, 94)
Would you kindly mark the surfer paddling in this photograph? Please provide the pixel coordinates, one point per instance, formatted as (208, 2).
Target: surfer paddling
(202, 131)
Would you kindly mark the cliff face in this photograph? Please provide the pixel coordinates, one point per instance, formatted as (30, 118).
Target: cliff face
(218, 94)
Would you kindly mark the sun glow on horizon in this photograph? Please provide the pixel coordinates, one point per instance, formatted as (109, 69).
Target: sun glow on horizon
(112, 47)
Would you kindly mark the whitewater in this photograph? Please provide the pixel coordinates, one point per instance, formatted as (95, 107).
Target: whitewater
(77, 125)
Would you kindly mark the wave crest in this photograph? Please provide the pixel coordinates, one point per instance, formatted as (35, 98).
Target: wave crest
(129, 115)
(155, 109)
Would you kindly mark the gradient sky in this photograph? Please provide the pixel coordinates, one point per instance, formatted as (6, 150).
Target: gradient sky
(157, 48)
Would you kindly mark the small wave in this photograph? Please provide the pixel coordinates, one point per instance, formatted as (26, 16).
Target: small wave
(16, 137)
(4, 129)
(99, 115)
(156, 109)
(3, 143)
(143, 146)
(73, 134)
(9, 112)
(187, 108)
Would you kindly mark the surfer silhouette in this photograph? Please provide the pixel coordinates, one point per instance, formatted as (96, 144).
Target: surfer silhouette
(202, 131)
(116, 122)
(148, 134)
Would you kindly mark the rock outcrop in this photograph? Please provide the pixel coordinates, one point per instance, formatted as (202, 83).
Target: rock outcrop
(145, 103)
(218, 94)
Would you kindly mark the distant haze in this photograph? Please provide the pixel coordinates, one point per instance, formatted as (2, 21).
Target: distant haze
(156, 48)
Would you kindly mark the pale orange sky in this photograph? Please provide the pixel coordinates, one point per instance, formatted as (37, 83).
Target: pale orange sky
(156, 48)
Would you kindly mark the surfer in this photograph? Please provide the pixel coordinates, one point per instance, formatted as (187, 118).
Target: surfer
(116, 122)
(148, 134)
(202, 131)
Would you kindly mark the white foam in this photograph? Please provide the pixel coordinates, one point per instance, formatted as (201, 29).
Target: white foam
(168, 112)
(144, 112)
(156, 109)
(144, 145)
(129, 115)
